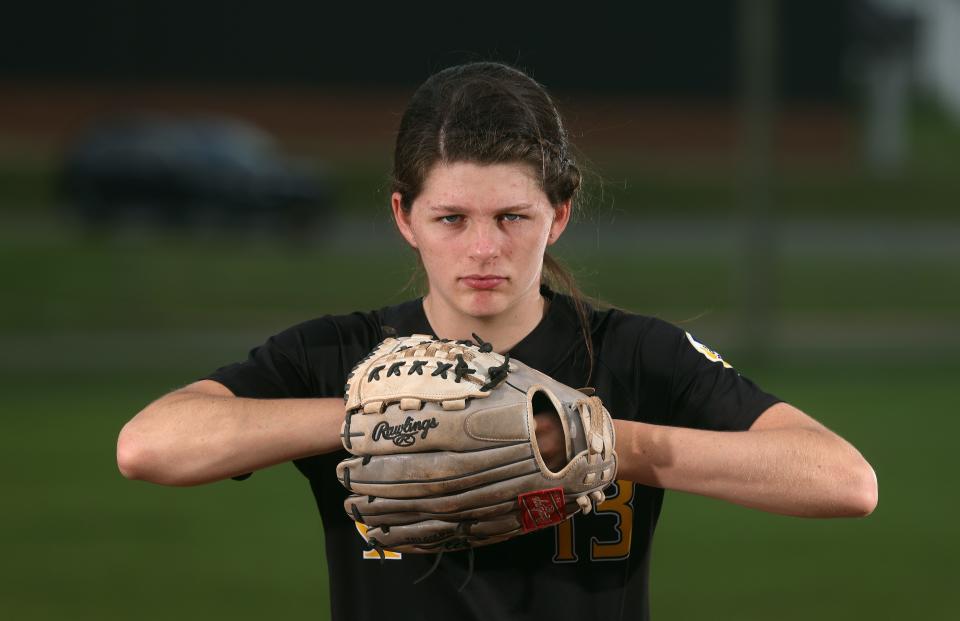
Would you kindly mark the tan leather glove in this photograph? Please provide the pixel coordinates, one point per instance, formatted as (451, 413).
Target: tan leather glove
(446, 454)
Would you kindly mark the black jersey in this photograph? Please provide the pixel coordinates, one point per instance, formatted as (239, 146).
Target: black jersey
(591, 567)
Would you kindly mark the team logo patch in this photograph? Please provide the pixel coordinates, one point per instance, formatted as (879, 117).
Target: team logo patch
(541, 508)
(708, 353)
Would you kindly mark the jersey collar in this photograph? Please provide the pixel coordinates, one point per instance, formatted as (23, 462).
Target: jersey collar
(547, 347)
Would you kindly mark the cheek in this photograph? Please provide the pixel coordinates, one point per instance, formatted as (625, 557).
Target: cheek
(533, 240)
(437, 253)
(432, 242)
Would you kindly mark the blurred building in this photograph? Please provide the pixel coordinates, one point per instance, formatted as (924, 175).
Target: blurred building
(939, 50)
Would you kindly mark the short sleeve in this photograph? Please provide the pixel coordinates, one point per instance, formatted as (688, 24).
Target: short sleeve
(272, 370)
(708, 393)
(307, 360)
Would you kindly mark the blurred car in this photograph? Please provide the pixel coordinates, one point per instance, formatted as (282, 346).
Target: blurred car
(179, 172)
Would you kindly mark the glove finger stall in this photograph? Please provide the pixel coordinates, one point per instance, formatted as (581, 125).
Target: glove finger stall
(428, 534)
(480, 497)
(434, 429)
(368, 513)
(434, 535)
(414, 475)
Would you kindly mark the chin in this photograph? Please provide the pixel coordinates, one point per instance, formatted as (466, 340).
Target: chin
(484, 304)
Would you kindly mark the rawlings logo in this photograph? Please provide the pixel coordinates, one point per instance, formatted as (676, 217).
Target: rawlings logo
(541, 508)
(405, 433)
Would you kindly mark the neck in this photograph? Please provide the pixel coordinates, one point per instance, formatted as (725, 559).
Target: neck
(503, 331)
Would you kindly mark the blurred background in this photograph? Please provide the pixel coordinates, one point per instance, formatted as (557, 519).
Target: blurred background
(178, 181)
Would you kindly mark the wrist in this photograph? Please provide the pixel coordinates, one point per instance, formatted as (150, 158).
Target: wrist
(637, 451)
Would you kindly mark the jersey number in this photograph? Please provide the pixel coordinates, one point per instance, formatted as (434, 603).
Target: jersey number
(618, 547)
(387, 554)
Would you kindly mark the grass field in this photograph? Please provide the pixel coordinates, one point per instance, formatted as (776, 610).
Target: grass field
(719, 561)
(864, 338)
(195, 283)
(105, 326)
(81, 542)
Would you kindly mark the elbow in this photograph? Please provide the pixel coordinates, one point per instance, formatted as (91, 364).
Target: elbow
(153, 447)
(863, 492)
(140, 459)
(132, 455)
(870, 491)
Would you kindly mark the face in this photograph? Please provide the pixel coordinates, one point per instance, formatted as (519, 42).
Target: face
(481, 231)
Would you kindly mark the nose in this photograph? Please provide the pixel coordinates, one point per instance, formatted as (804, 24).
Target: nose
(484, 243)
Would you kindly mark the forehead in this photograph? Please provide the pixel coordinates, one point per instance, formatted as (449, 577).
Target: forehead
(470, 185)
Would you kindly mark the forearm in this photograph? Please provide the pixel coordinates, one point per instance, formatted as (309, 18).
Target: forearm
(796, 471)
(189, 437)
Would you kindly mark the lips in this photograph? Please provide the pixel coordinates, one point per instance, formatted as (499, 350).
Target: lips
(483, 281)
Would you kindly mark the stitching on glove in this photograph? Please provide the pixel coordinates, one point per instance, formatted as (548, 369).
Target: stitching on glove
(347, 434)
(442, 369)
(461, 369)
(373, 544)
(452, 477)
(497, 374)
(484, 346)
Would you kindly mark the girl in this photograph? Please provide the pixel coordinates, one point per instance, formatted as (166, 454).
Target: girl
(483, 182)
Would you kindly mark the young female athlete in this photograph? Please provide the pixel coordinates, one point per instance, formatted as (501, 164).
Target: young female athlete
(483, 183)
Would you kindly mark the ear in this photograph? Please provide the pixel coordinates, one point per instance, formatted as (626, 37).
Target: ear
(561, 216)
(402, 219)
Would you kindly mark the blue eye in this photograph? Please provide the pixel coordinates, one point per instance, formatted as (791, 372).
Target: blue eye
(451, 219)
(512, 217)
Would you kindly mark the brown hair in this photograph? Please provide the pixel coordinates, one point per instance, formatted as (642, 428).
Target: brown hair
(491, 113)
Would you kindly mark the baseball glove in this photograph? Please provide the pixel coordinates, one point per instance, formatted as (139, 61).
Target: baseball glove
(446, 452)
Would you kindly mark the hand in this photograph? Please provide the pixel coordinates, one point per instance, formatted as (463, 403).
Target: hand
(550, 440)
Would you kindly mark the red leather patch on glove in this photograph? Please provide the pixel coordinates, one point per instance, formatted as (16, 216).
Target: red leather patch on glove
(541, 508)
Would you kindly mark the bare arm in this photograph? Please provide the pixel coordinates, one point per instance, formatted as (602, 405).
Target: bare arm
(203, 433)
(786, 463)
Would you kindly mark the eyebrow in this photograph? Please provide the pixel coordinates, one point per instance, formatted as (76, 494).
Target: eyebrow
(458, 209)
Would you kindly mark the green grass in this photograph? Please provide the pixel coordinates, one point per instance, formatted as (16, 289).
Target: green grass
(173, 284)
(193, 284)
(95, 329)
(634, 187)
(744, 564)
(81, 542)
(925, 188)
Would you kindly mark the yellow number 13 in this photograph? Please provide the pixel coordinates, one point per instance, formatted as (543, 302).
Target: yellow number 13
(618, 547)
